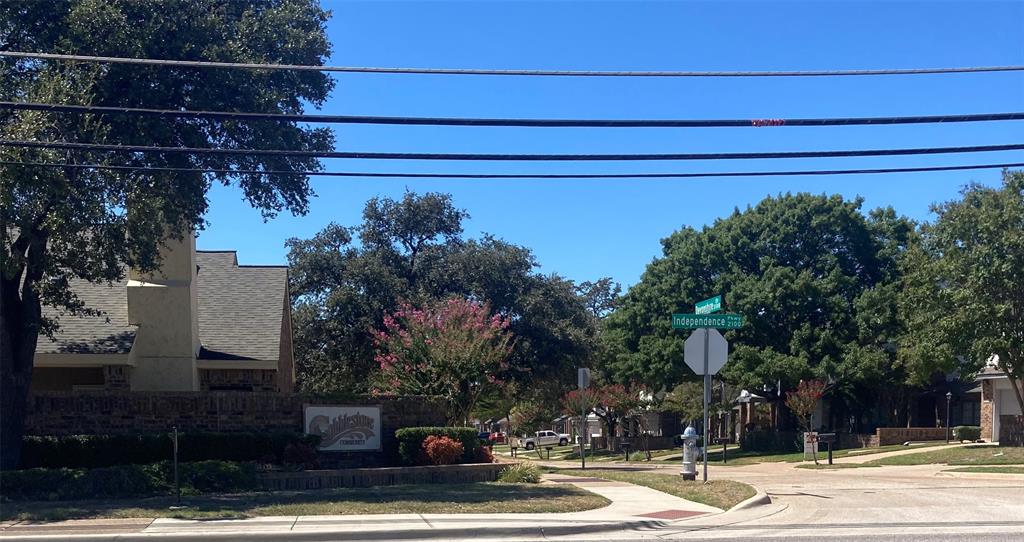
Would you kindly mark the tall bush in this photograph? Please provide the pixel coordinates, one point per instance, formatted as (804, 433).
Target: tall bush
(410, 443)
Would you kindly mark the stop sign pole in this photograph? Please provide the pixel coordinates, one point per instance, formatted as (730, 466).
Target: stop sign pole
(699, 350)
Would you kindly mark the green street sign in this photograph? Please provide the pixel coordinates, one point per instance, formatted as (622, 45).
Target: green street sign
(717, 321)
(708, 306)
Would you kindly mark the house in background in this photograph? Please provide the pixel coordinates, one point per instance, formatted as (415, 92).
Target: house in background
(997, 400)
(202, 322)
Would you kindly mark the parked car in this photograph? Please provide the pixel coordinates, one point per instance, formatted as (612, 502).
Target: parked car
(498, 437)
(545, 438)
(485, 437)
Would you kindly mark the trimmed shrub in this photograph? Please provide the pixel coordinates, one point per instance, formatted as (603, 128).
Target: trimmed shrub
(300, 455)
(771, 441)
(127, 480)
(410, 443)
(484, 455)
(520, 473)
(215, 476)
(442, 450)
(967, 432)
(91, 451)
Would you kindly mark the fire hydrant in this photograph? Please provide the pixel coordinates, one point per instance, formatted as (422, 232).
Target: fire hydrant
(689, 454)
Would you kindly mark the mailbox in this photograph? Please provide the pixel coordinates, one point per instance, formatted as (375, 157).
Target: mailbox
(830, 439)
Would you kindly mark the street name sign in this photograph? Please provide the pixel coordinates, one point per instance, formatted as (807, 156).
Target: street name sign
(717, 321)
(708, 306)
(715, 346)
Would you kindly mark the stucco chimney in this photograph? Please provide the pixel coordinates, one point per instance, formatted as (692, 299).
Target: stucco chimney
(164, 305)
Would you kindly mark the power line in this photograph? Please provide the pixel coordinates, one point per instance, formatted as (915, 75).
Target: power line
(511, 157)
(541, 123)
(466, 71)
(524, 175)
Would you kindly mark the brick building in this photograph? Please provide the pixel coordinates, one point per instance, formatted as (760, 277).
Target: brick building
(200, 323)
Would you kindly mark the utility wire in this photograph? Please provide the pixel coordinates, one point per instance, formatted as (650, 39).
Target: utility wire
(521, 175)
(509, 157)
(540, 123)
(462, 71)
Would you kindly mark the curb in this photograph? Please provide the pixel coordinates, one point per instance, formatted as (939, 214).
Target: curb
(759, 499)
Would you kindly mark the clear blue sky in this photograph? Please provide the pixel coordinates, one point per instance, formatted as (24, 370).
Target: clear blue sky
(589, 229)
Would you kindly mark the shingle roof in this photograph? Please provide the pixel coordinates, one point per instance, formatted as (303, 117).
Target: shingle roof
(240, 307)
(240, 312)
(108, 333)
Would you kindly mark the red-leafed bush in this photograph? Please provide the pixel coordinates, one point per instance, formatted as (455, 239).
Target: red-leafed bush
(484, 455)
(442, 450)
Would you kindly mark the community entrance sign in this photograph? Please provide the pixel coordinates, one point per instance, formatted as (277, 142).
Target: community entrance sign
(344, 428)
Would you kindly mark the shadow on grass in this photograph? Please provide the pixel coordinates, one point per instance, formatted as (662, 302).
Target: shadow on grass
(389, 499)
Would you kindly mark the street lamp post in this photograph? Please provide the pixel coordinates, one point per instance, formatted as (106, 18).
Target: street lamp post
(949, 396)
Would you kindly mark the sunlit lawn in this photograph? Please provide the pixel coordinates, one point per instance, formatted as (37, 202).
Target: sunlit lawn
(722, 494)
(423, 499)
(965, 455)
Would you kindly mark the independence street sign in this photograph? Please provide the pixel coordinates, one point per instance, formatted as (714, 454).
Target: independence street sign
(709, 306)
(717, 321)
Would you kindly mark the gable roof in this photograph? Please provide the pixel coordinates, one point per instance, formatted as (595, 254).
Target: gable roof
(108, 333)
(240, 313)
(240, 307)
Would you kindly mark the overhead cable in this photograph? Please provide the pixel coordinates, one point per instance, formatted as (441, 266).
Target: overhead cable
(472, 71)
(410, 175)
(66, 145)
(538, 123)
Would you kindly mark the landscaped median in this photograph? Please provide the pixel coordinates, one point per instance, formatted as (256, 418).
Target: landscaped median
(722, 494)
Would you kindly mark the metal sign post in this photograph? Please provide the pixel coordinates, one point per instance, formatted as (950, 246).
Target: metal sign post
(707, 389)
(583, 381)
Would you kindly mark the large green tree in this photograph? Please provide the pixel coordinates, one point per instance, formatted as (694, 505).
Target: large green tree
(795, 266)
(346, 279)
(964, 286)
(61, 224)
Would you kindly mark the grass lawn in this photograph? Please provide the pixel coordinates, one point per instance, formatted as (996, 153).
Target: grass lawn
(434, 498)
(998, 470)
(826, 466)
(966, 455)
(722, 494)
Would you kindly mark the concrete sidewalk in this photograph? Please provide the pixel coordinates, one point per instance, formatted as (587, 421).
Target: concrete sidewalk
(634, 512)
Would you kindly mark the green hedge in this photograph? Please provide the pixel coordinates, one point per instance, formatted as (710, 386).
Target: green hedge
(127, 480)
(771, 441)
(967, 432)
(410, 443)
(91, 451)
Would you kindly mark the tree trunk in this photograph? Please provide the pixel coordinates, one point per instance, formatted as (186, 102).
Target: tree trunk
(17, 350)
(20, 317)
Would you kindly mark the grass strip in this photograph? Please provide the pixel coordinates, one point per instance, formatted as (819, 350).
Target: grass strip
(478, 498)
(722, 494)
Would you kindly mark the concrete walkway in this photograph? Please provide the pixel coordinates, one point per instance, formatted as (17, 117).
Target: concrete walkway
(634, 512)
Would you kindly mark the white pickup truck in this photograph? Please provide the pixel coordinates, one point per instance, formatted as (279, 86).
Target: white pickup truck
(545, 438)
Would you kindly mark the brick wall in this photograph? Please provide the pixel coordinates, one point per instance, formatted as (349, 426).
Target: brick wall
(1011, 430)
(854, 440)
(899, 435)
(238, 379)
(111, 412)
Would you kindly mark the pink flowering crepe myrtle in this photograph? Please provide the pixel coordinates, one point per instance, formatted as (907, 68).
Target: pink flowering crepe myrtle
(453, 349)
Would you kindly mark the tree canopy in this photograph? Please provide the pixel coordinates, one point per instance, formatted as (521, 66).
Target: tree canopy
(807, 272)
(964, 286)
(346, 279)
(60, 224)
